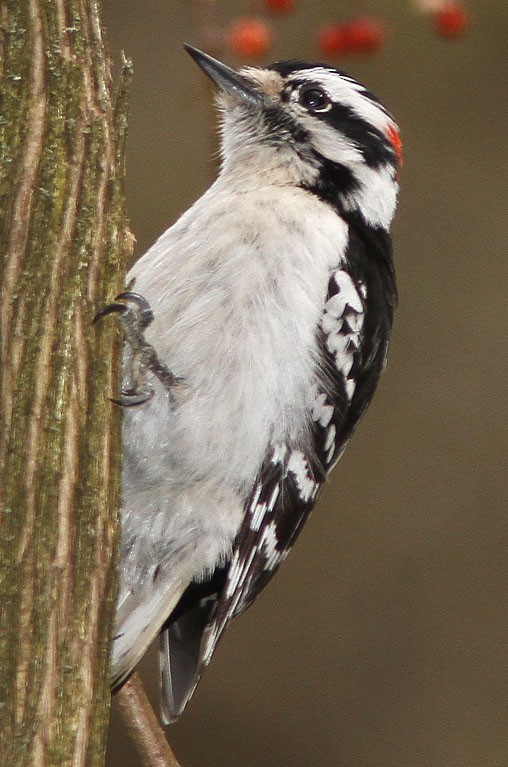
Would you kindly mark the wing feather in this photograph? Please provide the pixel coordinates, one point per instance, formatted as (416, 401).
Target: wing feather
(352, 340)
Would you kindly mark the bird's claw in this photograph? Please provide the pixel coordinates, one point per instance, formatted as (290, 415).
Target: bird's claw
(132, 397)
(142, 309)
(135, 314)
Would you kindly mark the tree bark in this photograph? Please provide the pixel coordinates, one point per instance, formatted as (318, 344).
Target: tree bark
(64, 238)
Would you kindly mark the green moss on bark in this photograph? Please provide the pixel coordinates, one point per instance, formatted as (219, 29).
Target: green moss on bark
(63, 239)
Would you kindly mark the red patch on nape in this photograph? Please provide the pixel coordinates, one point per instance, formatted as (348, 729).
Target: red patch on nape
(395, 140)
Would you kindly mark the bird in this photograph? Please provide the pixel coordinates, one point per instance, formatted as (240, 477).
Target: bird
(256, 329)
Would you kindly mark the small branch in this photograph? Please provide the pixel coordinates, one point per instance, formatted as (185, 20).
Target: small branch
(143, 726)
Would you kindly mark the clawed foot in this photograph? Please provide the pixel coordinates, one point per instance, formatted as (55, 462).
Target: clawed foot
(135, 316)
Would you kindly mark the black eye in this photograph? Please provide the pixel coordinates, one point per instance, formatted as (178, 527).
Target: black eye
(314, 99)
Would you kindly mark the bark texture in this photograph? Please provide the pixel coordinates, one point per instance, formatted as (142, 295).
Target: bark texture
(63, 239)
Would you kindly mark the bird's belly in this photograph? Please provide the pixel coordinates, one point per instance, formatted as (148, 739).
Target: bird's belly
(190, 465)
(253, 390)
(237, 321)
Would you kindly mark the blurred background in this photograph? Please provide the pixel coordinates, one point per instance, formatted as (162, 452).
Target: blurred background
(382, 640)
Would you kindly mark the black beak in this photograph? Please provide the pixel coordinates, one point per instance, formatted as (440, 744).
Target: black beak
(226, 78)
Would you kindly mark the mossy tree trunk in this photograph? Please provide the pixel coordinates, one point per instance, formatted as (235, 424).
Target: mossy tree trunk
(63, 240)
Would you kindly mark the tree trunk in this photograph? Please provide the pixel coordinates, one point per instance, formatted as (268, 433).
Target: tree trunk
(63, 239)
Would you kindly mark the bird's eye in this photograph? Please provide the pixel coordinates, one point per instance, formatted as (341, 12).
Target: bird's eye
(314, 99)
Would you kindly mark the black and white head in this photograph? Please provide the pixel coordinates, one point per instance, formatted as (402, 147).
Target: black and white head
(313, 126)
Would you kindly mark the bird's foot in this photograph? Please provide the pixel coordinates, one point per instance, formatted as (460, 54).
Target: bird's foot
(136, 315)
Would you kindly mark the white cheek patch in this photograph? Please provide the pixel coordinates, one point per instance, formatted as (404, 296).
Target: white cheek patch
(330, 143)
(376, 196)
(376, 193)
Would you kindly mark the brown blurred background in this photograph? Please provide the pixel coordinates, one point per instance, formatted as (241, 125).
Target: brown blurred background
(381, 643)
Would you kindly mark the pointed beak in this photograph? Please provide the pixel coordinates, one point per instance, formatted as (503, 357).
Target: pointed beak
(227, 79)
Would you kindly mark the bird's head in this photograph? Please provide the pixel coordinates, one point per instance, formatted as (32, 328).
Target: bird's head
(309, 125)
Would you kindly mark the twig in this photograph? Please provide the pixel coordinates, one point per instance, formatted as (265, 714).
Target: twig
(143, 726)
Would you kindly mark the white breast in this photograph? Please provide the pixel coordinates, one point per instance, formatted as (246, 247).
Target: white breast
(237, 287)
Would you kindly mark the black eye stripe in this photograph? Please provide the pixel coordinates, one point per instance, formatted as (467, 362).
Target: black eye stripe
(372, 143)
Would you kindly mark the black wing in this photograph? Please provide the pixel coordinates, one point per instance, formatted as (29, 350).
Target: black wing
(352, 341)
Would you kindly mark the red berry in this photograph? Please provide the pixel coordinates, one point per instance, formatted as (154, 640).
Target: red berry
(249, 37)
(365, 35)
(332, 40)
(451, 21)
(362, 35)
(280, 6)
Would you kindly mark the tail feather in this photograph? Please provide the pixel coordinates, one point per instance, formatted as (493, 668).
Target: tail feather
(141, 624)
(180, 666)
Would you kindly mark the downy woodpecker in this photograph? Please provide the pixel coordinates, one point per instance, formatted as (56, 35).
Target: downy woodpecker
(256, 335)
